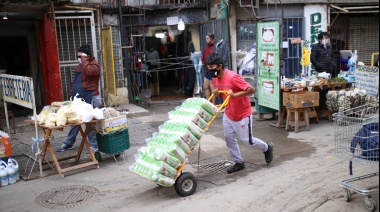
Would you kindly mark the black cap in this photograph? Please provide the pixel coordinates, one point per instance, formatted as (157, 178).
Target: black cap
(85, 48)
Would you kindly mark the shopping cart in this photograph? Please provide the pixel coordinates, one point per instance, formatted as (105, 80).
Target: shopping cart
(356, 138)
(185, 182)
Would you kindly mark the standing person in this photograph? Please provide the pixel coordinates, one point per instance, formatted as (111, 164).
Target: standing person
(237, 119)
(86, 84)
(207, 80)
(322, 56)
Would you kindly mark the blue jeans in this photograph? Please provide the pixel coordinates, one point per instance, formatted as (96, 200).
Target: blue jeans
(72, 136)
(196, 58)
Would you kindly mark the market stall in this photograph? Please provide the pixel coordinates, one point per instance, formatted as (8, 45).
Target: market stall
(107, 122)
(47, 131)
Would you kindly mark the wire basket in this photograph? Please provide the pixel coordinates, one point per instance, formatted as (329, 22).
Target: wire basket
(356, 134)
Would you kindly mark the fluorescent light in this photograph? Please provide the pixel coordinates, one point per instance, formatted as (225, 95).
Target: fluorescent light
(5, 16)
(160, 35)
(181, 25)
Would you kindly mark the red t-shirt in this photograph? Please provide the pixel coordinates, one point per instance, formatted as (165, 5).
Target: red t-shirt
(239, 107)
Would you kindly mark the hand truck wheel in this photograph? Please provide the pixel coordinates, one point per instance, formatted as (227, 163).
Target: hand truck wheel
(369, 203)
(347, 195)
(185, 184)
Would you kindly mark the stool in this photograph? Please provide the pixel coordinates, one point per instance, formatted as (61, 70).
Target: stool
(312, 113)
(297, 117)
(10, 118)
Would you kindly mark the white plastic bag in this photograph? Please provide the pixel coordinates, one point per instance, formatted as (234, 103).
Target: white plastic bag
(83, 109)
(98, 113)
(248, 65)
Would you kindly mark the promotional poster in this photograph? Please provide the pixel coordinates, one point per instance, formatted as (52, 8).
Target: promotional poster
(268, 54)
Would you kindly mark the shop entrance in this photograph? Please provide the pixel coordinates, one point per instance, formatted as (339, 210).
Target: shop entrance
(170, 67)
(19, 56)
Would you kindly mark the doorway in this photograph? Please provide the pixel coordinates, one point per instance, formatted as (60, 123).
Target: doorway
(20, 53)
(172, 69)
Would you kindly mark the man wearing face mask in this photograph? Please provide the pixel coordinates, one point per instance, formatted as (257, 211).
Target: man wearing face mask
(322, 56)
(237, 119)
(86, 85)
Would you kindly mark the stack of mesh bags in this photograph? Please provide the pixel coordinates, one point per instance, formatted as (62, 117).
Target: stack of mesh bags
(339, 101)
(167, 150)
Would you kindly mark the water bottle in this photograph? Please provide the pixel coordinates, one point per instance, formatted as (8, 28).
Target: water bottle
(11, 173)
(3, 174)
(15, 167)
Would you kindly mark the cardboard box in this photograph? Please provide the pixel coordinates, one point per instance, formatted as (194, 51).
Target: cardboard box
(112, 124)
(300, 99)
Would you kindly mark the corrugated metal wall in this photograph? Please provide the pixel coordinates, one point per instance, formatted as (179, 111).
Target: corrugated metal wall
(364, 36)
(356, 32)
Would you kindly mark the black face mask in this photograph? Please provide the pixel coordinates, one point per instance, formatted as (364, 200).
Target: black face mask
(214, 72)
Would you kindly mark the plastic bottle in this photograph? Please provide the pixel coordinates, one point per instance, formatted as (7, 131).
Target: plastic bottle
(15, 167)
(7, 144)
(11, 173)
(3, 174)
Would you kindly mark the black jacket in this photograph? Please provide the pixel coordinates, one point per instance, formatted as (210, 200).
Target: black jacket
(322, 59)
(223, 50)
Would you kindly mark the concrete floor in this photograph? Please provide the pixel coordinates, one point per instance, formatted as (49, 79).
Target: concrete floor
(304, 176)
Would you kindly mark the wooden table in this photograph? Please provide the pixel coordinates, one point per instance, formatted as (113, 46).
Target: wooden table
(316, 88)
(47, 131)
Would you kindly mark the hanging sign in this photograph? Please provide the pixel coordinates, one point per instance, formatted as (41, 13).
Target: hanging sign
(268, 54)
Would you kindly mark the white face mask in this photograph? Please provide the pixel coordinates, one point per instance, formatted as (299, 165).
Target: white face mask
(80, 60)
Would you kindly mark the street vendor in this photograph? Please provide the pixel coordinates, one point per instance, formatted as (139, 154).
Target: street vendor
(322, 56)
(237, 119)
(86, 86)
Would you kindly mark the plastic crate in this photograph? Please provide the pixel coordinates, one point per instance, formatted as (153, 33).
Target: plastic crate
(113, 142)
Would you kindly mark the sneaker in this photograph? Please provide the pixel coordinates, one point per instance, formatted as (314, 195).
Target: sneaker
(237, 167)
(93, 149)
(64, 147)
(269, 153)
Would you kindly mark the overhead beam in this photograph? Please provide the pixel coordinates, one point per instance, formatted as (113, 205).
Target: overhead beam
(361, 8)
(339, 8)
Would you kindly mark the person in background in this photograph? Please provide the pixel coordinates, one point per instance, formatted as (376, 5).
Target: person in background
(377, 62)
(322, 56)
(86, 85)
(237, 119)
(207, 80)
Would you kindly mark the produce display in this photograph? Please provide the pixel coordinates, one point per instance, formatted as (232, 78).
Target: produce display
(342, 100)
(167, 150)
(73, 112)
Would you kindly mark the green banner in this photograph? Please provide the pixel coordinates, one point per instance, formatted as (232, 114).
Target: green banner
(268, 56)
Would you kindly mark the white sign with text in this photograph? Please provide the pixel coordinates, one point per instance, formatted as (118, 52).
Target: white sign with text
(367, 78)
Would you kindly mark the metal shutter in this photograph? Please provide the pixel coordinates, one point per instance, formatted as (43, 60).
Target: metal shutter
(364, 36)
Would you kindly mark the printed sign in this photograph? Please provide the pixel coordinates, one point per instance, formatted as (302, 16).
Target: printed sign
(17, 90)
(268, 54)
(367, 78)
(315, 21)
